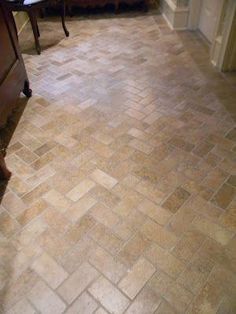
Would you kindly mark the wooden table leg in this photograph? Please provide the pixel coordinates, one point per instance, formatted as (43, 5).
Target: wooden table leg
(4, 172)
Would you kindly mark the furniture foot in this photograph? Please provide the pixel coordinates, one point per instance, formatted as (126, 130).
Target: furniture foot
(4, 172)
(63, 9)
(33, 21)
(27, 91)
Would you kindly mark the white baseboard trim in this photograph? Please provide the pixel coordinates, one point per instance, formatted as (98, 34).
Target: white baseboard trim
(176, 18)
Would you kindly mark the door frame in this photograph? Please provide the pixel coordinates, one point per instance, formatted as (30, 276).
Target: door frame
(219, 49)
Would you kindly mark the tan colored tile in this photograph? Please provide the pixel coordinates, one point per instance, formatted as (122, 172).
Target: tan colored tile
(77, 282)
(80, 190)
(178, 297)
(45, 300)
(84, 304)
(133, 249)
(165, 261)
(141, 146)
(214, 231)
(155, 212)
(79, 229)
(32, 212)
(108, 265)
(22, 306)
(104, 237)
(104, 215)
(109, 296)
(49, 270)
(8, 225)
(188, 245)
(80, 208)
(176, 200)
(13, 204)
(145, 303)
(136, 278)
(224, 196)
(104, 179)
(165, 308)
(158, 234)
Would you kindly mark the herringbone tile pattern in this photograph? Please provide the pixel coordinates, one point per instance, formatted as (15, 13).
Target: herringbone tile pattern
(123, 193)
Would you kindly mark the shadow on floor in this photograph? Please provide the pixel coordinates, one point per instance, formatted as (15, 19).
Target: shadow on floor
(7, 132)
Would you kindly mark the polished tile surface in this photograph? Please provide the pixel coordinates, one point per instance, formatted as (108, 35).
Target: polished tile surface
(123, 198)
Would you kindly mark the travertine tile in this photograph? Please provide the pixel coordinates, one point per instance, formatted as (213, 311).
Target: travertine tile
(145, 303)
(158, 234)
(104, 215)
(123, 164)
(109, 296)
(77, 282)
(32, 212)
(57, 200)
(165, 261)
(45, 300)
(49, 270)
(176, 200)
(155, 212)
(22, 306)
(178, 297)
(214, 231)
(103, 178)
(188, 245)
(224, 196)
(13, 204)
(84, 304)
(133, 249)
(108, 265)
(134, 281)
(104, 237)
(80, 190)
(80, 208)
(8, 225)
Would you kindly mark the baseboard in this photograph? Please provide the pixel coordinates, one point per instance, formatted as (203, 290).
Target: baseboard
(176, 17)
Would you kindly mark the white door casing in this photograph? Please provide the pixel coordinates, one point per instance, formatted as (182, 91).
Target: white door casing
(209, 15)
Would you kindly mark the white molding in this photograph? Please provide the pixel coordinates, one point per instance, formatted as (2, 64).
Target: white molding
(176, 17)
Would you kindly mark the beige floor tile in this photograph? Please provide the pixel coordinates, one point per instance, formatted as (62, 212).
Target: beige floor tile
(49, 270)
(108, 265)
(133, 249)
(57, 200)
(109, 296)
(136, 278)
(145, 303)
(104, 215)
(77, 282)
(104, 179)
(165, 261)
(80, 208)
(106, 238)
(80, 190)
(84, 304)
(13, 204)
(158, 234)
(123, 163)
(45, 300)
(214, 231)
(155, 212)
(22, 306)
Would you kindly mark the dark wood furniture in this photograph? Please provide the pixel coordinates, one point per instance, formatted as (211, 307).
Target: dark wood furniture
(101, 3)
(32, 7)
(13, 77)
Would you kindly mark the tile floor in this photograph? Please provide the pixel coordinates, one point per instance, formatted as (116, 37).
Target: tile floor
(123, 194)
